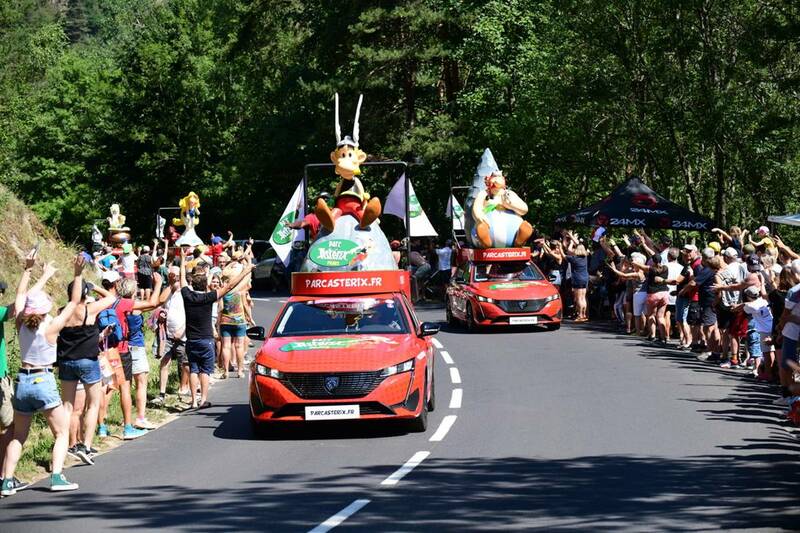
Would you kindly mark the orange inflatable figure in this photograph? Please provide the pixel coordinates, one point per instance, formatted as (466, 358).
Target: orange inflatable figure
(350, 196)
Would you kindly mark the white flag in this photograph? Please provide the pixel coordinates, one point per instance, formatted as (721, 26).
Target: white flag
(457, 212)
(282, 237)
(396, 205)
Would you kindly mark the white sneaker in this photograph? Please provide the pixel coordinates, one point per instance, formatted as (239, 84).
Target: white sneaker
(780, 401)
(143, 423)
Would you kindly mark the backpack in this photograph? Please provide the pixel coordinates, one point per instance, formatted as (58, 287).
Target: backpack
(108, 317)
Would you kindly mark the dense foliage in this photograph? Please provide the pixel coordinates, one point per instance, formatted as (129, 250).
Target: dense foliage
(139, 101)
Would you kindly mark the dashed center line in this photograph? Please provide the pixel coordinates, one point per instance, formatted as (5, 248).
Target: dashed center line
(416, 459)
(444, 427)
(455, 398)
(340, 517)
(446, 356)
(401, 472)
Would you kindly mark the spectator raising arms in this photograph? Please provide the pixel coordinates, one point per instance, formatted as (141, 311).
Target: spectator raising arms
(36, 388)
(198, 303)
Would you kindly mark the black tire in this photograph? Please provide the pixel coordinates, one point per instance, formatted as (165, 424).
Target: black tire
(451, 320)
(432, 400)
(469, 322)
(420, 424)
(553, 327)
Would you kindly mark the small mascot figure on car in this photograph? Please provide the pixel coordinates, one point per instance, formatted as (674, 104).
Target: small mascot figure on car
(498, 213)
(350, 196)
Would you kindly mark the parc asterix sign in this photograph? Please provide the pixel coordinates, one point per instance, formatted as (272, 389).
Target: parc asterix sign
(350, 283)
(495, 254)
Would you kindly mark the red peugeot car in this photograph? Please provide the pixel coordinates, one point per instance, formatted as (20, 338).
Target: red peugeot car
(501, 287)
(344, 346)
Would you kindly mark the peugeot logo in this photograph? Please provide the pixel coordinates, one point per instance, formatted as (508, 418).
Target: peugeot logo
(331, 382)
(522, 304)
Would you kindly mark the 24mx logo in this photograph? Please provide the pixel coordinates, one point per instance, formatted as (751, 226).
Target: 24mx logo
(689, 225)
(635, 222)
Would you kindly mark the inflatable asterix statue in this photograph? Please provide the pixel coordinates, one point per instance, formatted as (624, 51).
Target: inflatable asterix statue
(498, 212)
(350, 196)
(190, 217)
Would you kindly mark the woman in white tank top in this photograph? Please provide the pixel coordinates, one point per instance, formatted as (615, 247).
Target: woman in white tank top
(35, 388)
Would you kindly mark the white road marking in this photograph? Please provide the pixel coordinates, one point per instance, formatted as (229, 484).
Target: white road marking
(444, 427)
(455, 398)
(446, 356)
(340, 517)
(401, 472)
(260, 299)
(437, 343)
(455, 377)
(282, 301)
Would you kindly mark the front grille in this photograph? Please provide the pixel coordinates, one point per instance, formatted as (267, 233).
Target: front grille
(366, 408)
(351, 384)
(522, 306)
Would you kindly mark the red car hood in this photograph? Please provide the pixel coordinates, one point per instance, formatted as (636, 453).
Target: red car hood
(514, 290)
(338, 353)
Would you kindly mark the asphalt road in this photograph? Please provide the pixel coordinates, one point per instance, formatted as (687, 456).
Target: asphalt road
(575, 429)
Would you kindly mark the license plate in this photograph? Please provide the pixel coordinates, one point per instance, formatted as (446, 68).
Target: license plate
(332, 412)
(522, 320)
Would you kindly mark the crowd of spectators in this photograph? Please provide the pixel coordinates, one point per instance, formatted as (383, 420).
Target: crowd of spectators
(73, 362)
(731, 300)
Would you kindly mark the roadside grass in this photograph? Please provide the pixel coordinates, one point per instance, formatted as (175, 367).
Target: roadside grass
(36, 453)
(22, 230)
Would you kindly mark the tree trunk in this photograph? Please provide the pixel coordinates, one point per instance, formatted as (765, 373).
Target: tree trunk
(719, 171)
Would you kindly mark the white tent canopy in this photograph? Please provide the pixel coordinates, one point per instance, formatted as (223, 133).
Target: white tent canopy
(792, 220)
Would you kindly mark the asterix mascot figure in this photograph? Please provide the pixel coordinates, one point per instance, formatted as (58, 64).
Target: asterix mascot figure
(350, 196)
(495, 211)
(190, 217)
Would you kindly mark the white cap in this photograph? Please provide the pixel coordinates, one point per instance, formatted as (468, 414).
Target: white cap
(111, 276)
(731, 252)
(708, 253)
(690, 247)
(638, 258)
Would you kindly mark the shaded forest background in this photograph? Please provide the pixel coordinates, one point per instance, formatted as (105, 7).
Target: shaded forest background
(139, 101)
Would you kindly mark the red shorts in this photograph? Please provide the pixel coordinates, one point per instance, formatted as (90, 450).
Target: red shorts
(350, 205)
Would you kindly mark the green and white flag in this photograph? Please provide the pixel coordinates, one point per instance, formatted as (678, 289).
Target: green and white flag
(396, 205)
(455, 210)
(282, 236)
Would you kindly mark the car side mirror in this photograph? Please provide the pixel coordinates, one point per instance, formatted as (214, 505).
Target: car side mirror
(426, 329)
(257, 333)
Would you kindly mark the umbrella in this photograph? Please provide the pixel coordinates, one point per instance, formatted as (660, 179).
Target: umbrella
(635, 205)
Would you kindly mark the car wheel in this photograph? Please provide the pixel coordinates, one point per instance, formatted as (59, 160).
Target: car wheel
(553, 327)
(432, 400)
(420, 424)
(472, 327)
(451, 320)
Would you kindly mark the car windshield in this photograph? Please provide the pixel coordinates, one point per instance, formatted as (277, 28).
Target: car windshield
(340, 316)
(506, 271)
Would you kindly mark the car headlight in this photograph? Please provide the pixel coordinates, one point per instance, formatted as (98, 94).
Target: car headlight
(484, 299)
(262, 370)
(552, 297)
(406, 366)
